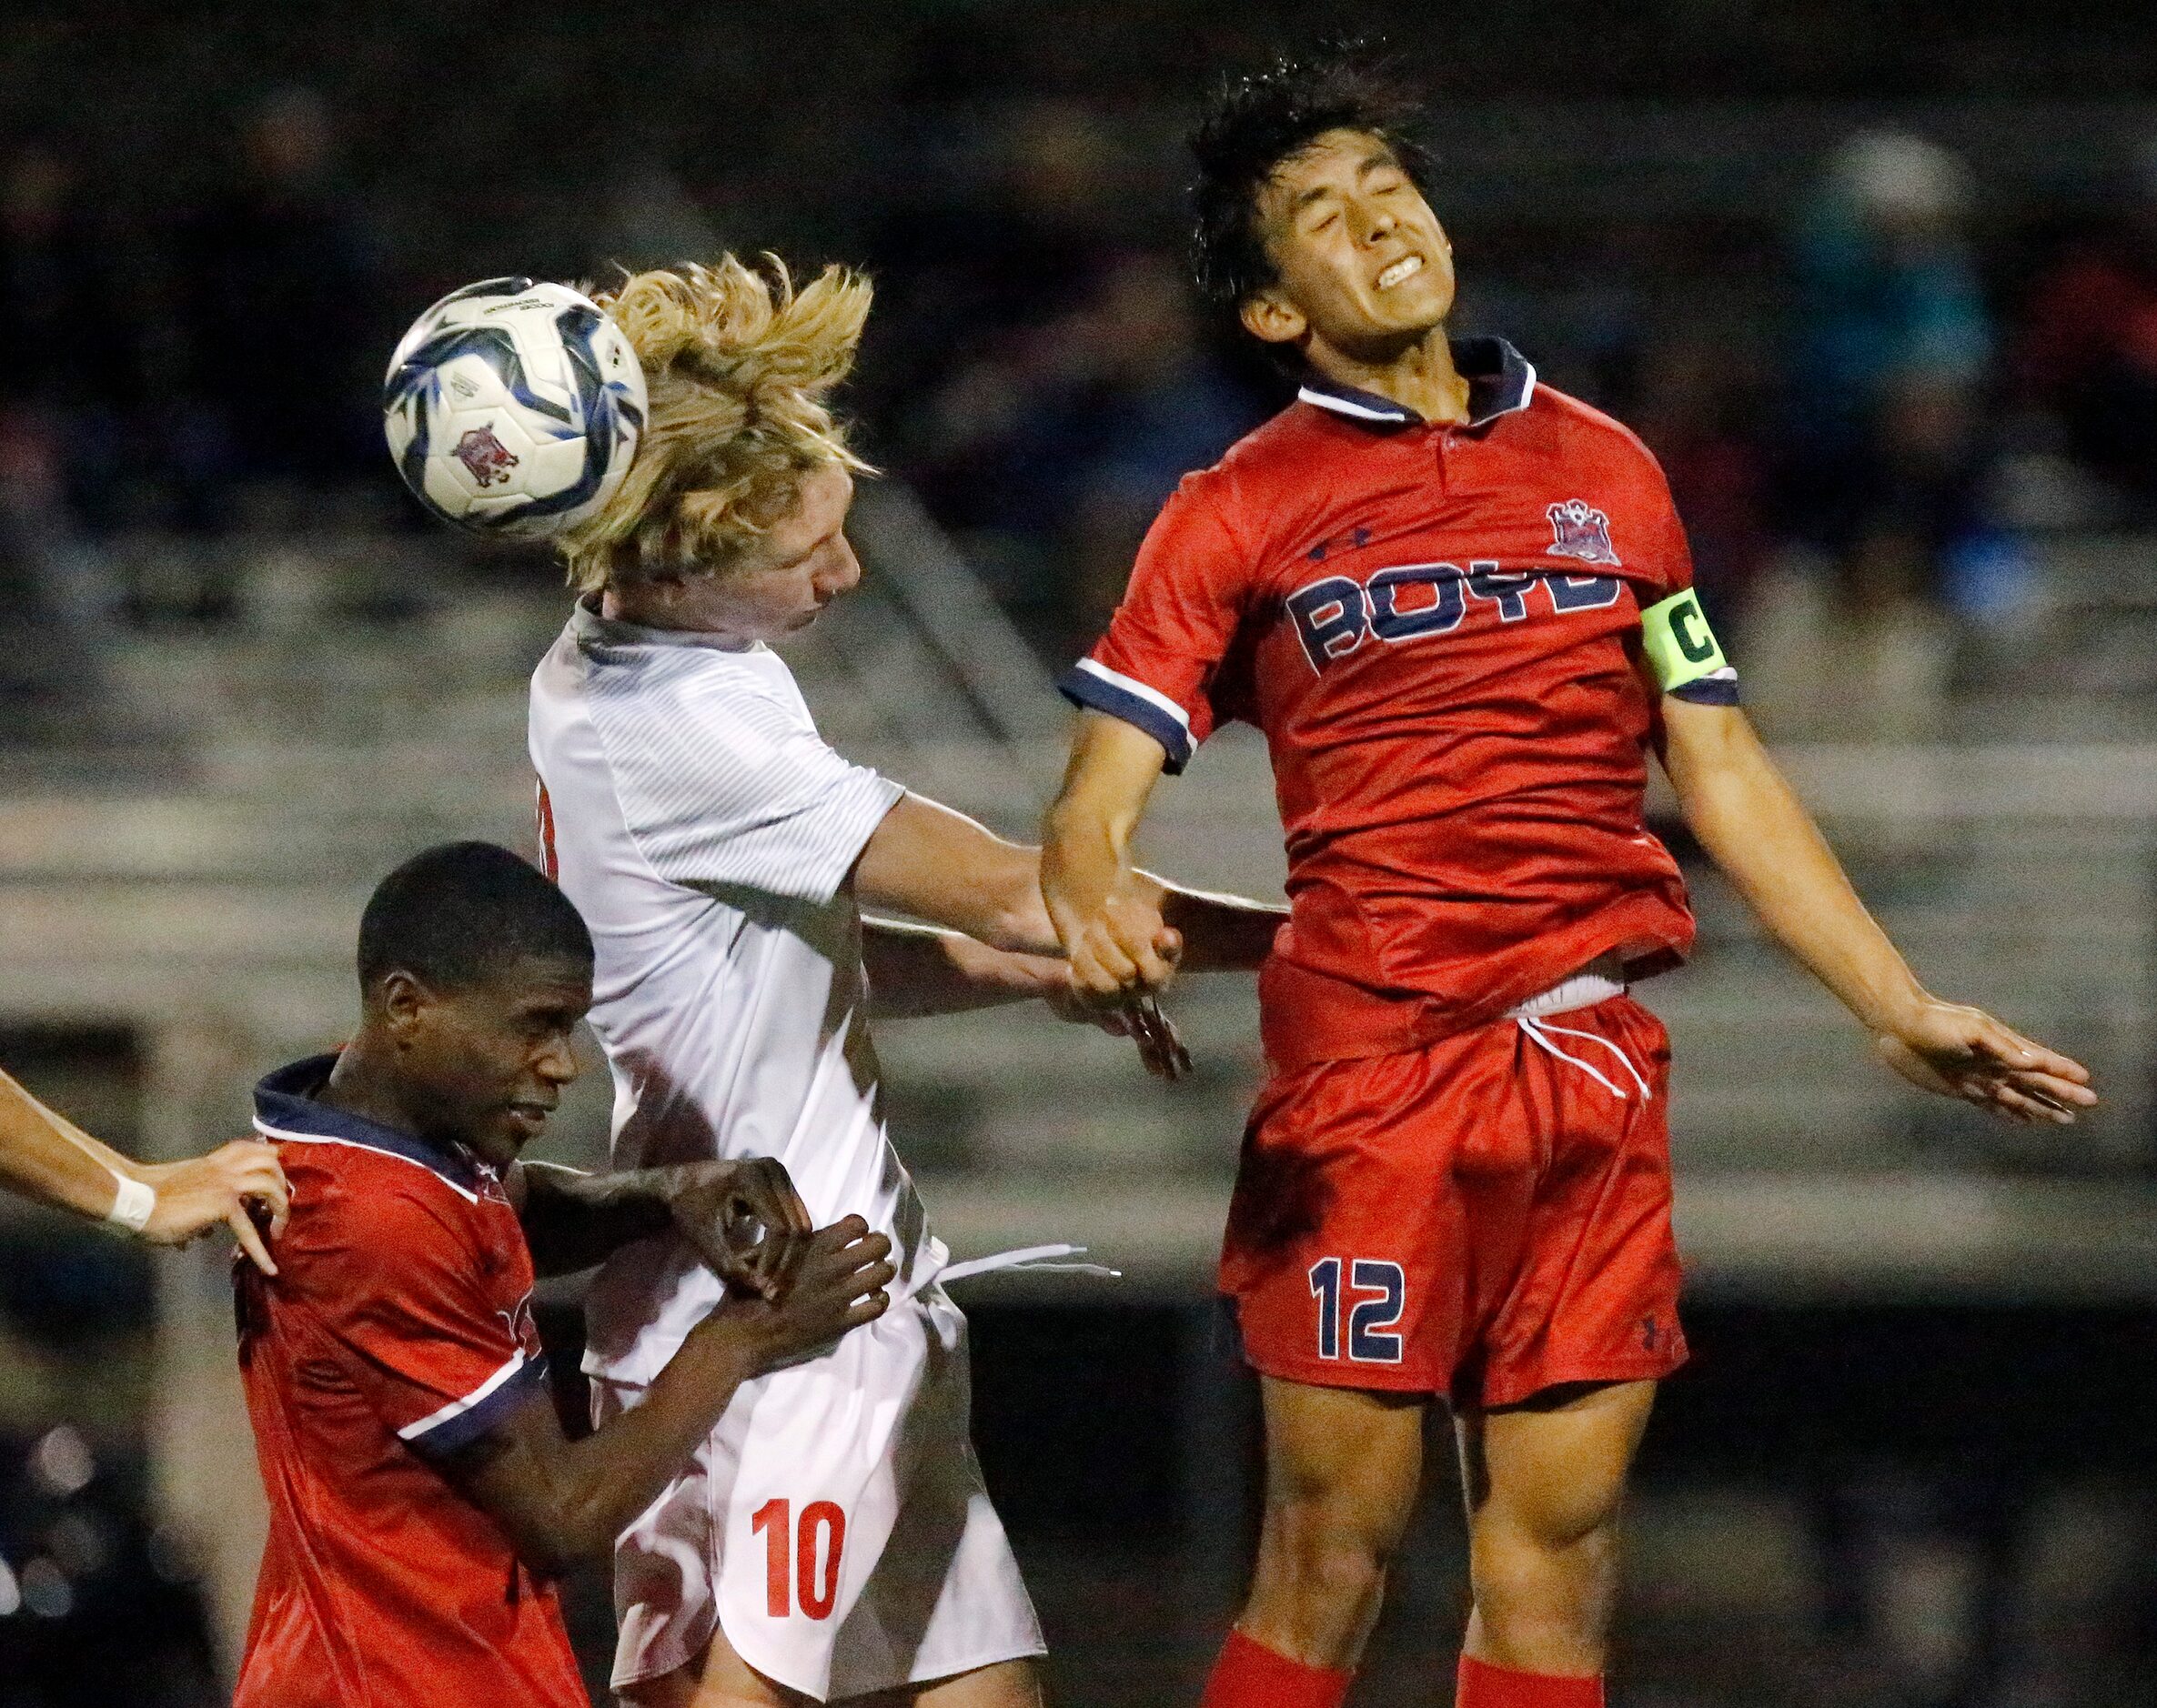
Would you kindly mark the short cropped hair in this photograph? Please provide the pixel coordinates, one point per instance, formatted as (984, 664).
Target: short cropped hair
(458, 914)
(741, 367)
(1256, 123)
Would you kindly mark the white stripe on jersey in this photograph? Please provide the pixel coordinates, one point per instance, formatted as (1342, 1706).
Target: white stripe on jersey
(412, 1432)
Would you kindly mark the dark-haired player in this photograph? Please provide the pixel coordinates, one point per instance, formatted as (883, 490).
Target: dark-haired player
(1460, 605)
(421, 1491)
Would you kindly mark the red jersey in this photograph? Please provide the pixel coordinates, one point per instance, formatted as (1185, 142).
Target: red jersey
(398, 1330)
(1436, 628)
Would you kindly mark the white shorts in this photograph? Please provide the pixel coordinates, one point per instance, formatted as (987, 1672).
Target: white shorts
(839, 1510)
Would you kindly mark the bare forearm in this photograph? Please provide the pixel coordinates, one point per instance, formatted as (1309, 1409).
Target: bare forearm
(47, 1157)
(1085, 852)
(602, 1482)
(618, 1471)
(1006, 910)
(1110, 918)
(1086, 858)
(918, 969)
(1757, 831)
(573, 1220)
(560, 1501)
(930, 863)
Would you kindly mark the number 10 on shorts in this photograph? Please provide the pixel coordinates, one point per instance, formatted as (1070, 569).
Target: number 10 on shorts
(803, 1562)
(1376, 1296)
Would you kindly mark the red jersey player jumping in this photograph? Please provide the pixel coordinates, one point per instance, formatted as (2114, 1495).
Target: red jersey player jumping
(1458, 604)
(421, 1493)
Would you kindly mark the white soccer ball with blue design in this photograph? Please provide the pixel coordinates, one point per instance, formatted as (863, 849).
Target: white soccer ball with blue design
(514, 408)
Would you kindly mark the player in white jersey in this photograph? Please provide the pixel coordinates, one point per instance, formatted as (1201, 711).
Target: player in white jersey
(833, 1539)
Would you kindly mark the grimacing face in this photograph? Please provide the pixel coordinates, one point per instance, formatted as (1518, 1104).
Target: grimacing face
(484, 1066)
(1363, 268)
(778, 586)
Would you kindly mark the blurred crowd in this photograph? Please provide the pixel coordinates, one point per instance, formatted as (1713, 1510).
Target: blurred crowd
(213, 369)
(1926, 383)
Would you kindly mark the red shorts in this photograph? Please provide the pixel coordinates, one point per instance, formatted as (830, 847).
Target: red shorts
(1479, 1218)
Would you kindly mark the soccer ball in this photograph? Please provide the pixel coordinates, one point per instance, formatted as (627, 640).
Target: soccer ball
(514, 409)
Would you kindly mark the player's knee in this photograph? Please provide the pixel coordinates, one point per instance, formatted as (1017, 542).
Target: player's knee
(1330, 1559)
(1533, 1585)
(1342, 1575)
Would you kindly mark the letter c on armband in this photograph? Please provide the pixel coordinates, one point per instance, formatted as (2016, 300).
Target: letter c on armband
(1679, 645)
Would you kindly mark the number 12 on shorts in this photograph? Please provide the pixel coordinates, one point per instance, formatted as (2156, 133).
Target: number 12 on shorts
(803, 1562)
(1377, 1294)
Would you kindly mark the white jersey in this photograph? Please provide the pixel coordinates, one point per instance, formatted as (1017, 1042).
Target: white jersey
(705, 831)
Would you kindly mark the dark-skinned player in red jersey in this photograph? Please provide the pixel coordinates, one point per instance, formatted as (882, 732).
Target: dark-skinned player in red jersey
(1458, 604)
(421, 1491)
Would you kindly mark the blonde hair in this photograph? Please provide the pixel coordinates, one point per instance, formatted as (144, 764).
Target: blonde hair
(739, 364)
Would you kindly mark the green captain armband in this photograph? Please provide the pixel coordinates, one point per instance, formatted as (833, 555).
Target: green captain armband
(1680, 646)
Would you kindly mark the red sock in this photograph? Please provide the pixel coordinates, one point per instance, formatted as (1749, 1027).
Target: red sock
(1483, 1685)
(1251, 1675)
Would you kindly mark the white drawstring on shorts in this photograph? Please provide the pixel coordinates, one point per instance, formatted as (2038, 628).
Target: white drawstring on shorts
(1540, 1030)
(1053, 1258)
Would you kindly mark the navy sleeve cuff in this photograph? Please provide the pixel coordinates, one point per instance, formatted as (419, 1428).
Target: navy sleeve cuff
(456, 1427)
(1095, 688)
(1709, 691)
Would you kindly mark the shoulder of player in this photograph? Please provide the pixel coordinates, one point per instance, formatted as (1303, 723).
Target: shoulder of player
(651, 694)
(1584, 427)
(374, 1205)
(1268, 468)
(1279, 445)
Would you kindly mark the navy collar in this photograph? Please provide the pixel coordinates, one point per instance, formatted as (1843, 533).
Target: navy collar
(1500, 381)
(285, 1108)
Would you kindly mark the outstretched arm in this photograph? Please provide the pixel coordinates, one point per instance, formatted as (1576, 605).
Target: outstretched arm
(561, 1500)
(1755, 829)
(1124, 930)
(930, 863)
(47, 1157)
(933, 864)
(916, 969)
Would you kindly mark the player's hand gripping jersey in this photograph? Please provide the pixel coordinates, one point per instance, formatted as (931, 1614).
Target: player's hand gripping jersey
(398, 1330)
(1436, 627)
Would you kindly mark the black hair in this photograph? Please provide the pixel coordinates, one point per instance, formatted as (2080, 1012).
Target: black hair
(455, 915)
(1255, 122)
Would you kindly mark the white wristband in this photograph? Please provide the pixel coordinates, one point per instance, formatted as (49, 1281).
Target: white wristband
(132, 1204)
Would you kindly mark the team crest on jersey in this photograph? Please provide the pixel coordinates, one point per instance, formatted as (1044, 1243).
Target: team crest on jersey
(524, 1328)
(487, 457)
(1578, 531)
